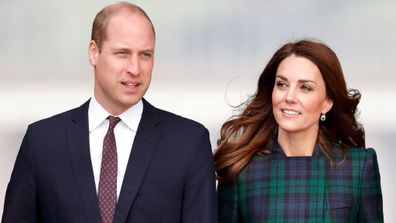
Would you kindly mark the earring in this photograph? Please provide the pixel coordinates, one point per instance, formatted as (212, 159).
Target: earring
(322, 117)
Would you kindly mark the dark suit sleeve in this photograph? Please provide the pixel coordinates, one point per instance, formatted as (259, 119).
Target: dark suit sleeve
(370, 209)
(20, 201)
(228, 203)
(199, 196)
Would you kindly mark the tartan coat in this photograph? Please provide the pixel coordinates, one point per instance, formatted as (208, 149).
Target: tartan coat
(276, 188)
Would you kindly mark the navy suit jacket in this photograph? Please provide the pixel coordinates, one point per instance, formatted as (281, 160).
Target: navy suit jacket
(169, 176)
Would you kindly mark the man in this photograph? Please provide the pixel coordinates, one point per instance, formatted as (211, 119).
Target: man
(116, 158)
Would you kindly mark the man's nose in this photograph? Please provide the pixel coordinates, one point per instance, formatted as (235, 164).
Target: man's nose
(133, 65)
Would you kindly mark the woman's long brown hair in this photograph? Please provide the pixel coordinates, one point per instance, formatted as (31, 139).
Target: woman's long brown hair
(249, 133)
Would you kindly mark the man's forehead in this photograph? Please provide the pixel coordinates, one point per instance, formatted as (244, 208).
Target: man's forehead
(134, 16)
(120, 45)
(131, 21)
(129, 15)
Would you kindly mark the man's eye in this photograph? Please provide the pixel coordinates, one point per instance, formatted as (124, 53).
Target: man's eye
(146, 55)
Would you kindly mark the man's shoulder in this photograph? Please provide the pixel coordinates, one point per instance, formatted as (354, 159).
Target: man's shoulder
(175, 120)
(58, 119)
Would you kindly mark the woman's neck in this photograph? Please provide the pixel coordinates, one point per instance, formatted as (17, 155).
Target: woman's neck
(297, 143)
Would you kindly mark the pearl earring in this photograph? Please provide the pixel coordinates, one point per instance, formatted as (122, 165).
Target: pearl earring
(322, 117)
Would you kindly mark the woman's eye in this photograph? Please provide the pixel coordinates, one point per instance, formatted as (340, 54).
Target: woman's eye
(281, 84)
(306, 88)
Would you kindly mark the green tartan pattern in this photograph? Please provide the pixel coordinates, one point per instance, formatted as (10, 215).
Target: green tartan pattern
(280, 189)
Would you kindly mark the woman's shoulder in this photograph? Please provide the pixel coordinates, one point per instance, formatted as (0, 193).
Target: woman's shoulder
(361, 152)
(355, 152)
(356, 155)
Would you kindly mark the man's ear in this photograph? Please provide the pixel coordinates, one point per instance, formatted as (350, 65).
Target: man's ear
(93, 52)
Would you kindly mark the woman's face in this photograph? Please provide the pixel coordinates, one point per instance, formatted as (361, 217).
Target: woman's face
(299, 96)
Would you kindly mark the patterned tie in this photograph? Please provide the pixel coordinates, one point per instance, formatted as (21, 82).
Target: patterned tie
(107, 192)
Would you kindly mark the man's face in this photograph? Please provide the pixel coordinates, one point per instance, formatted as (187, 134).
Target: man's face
(124, 65)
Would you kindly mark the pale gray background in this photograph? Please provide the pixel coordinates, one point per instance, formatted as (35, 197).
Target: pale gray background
(209, 55)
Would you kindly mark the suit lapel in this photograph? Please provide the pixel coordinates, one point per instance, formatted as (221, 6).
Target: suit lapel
(143, 148)
(78, 141)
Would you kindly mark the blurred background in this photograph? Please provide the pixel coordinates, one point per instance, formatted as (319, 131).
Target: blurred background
(209, 55)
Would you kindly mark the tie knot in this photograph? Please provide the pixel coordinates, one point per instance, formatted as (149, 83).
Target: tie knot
(113, 121)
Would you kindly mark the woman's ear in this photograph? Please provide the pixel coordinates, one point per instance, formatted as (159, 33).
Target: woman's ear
(328, 104)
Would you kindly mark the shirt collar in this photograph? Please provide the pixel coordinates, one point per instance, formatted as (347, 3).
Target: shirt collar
(131, 117)
(97, 114)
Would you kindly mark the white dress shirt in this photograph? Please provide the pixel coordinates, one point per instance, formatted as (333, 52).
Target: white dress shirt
(124, 132)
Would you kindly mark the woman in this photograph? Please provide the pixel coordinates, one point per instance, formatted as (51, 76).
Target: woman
(296, 152)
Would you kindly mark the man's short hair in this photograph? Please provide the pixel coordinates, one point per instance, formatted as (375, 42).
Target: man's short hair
(101, 21)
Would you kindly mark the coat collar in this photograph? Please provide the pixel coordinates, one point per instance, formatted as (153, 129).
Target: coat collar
(278, 153)
(78, 144)
(143, 148)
